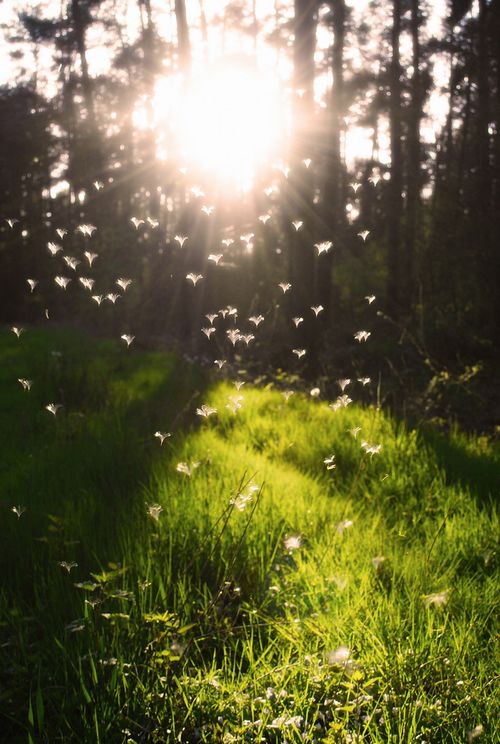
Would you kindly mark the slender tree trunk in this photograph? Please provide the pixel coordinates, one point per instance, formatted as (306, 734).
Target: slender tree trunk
(414, 160)
(395, 201)
(79, 27)
(183, 43)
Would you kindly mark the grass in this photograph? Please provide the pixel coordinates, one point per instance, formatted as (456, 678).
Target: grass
(211, 623)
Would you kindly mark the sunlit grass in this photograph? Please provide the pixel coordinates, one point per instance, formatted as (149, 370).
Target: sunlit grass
(204, 621)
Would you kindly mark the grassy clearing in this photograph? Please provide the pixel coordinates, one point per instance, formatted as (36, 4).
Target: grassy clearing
(271, 599)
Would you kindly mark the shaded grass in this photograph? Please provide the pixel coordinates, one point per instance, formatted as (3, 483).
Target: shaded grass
(203, 625)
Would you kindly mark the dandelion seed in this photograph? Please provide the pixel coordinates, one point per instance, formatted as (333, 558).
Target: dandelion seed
(238, 384)
(215, 257)
(90, 256)
(297, 224)
(241, 501)
(32, 283)
(76, 626)
(340, 656)
(317, 309)
(371, 449)
(162, 435)
(86, 282)
(86, 230)
(98, 298)
(362, 336)
(220, 362)
(374, 180)
(152, 223)
(246, 238)
(287, 394)
(344, 525)
(53, 248)
(343, 383)
(136, 222)
(127, 338)
(315, 392)
(354, 431)
(234, 403)
(11, 222)
(297, 321)
(53, 408)
(207, 210)
(61, 232)
(68, 566)
(19, 510)
(205, 411)
(208, 331)
(342, 402)
(181, 239)
(330, 462)
(195, 278)
(264, 218)
(17, 331)
(112, 297)
(233, 335)
(294, 542)
(47, 313)
(123, 283)
(438, 599)
(247, 338)
(26, 384)
(364, 380)
(187, 469)
(377, 561)
(62, 281)
(197, 192)
(284, 286)
(256, 320)
(227, 242)
(355, 187)
(299, 353)
(154, 511)
(98, 185)
(307, 162)
(363, 235)
(71, 262)
(323, 247)
(370, 298)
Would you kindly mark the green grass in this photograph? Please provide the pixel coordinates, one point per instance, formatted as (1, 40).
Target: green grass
(202, 625)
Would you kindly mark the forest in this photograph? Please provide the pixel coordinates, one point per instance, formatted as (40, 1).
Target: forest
(249, 387)
(374, 125)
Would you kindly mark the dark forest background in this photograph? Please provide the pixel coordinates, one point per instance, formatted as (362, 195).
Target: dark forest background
(433, 254)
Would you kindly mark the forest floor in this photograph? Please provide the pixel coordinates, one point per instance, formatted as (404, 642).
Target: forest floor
(267, 574)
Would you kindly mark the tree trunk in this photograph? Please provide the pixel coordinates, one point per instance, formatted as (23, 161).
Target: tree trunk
(395, 201)
(183, 43)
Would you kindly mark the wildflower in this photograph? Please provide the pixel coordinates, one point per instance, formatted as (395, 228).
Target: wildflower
(340, 656)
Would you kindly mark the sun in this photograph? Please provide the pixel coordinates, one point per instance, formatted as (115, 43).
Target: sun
(225, 125)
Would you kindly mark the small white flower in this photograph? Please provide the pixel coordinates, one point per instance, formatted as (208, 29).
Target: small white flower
(294, 542)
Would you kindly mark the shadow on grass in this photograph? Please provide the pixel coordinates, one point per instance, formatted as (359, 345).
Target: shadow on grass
(470, 463)
(80, 474)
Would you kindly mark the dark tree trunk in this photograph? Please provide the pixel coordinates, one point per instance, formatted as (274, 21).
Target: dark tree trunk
(395, 201)
(183, 43)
